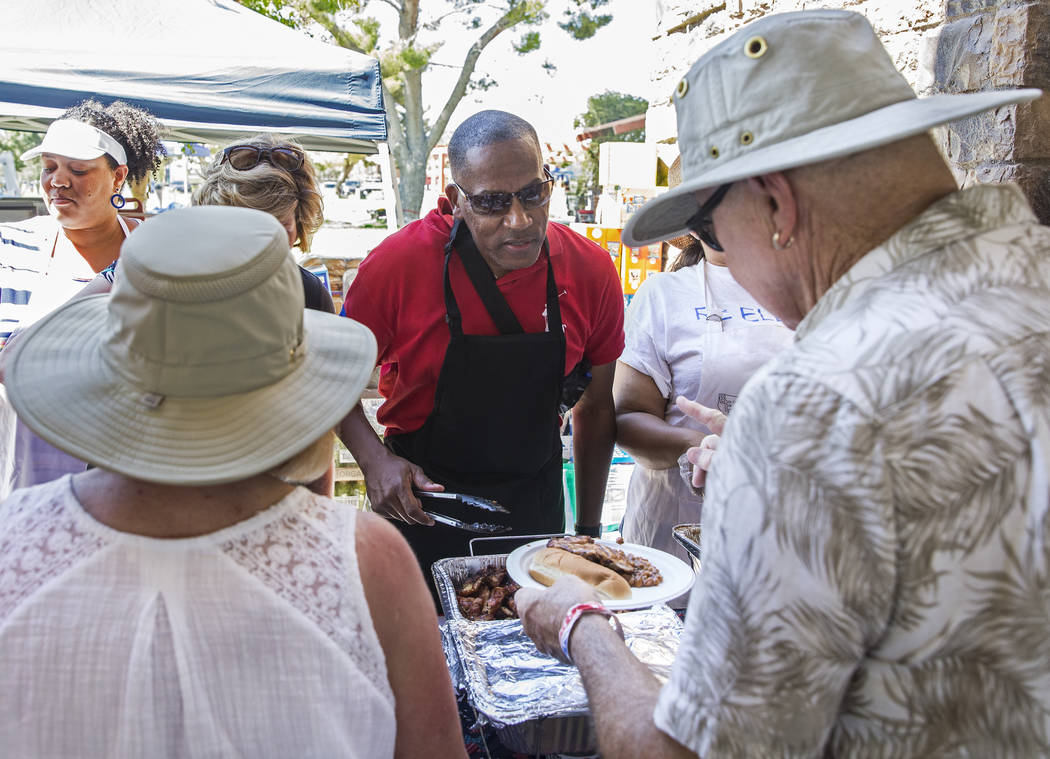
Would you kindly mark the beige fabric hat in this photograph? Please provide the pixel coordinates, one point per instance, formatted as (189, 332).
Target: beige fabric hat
(201, 366)
(787, 90)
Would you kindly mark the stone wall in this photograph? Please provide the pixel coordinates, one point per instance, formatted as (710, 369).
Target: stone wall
(954, 46)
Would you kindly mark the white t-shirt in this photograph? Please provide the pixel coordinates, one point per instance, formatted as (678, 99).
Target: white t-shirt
(667, 323)
(670, 337)
(253, 641)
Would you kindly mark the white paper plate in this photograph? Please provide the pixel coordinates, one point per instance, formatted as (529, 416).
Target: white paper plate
(678, 576)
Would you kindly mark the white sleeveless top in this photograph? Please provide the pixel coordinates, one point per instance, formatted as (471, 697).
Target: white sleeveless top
(253, 641)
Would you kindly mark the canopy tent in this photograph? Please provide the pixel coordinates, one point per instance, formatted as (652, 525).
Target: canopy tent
(209, 70)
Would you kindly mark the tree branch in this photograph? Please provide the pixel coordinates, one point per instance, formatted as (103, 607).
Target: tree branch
(408, 20)
(469, 63)
(464, 10)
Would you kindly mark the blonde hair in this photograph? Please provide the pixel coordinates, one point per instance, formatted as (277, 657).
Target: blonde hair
(267, 188)
(309, 464)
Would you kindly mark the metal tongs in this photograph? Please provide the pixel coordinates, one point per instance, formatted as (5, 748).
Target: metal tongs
(466, 501)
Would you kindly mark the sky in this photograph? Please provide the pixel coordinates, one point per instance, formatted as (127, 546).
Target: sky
(617, 58)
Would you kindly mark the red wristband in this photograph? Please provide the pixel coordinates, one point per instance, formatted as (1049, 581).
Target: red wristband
(572, 616)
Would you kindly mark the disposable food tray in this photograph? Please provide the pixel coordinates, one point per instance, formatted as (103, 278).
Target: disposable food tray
(683, 534)
(450, 573)
(536, 704)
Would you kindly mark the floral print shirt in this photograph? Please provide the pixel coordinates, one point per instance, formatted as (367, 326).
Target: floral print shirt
(876, 575)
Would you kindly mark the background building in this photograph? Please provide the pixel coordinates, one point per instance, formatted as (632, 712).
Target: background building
(952, 46)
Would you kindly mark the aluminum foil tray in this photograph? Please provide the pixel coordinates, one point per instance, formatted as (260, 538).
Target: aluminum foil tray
(537, 704)
(687, 536)
(450, 573)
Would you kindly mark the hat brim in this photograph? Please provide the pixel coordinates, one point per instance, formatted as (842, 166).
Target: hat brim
(77, 154)
(665, 217)
(61, 387)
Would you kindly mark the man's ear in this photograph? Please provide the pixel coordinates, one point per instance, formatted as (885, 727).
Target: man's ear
(783, 202)
(455, 197)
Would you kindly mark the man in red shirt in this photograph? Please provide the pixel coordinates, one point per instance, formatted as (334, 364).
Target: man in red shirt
(466, 304)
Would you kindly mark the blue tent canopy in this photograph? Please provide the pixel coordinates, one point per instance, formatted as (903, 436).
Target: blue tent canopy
(209, 70)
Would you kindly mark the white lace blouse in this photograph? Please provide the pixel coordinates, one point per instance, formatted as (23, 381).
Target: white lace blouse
(253, 641)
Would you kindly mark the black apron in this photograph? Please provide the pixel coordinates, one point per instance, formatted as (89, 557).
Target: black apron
(494, 430)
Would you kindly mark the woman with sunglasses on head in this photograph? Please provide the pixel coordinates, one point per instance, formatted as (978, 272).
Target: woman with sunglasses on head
(87, 156)
(690, 331)
(272, 174)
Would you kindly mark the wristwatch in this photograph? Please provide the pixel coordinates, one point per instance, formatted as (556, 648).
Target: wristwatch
(590, 530)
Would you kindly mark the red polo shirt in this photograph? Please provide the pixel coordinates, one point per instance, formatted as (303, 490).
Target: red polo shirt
(398, 293)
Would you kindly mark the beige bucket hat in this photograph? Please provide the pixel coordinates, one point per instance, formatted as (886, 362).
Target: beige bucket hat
(787, 90)
(201, 366)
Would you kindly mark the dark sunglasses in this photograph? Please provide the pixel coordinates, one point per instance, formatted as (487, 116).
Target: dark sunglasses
(701, 222)
(491, 203)
(244, 157)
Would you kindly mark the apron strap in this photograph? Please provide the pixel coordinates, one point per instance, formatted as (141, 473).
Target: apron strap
(452, 315)
(461, 241)
(481, 277)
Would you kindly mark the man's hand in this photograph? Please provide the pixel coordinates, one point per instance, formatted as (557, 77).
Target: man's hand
(701, 456)
(389, 482)
(542, 611)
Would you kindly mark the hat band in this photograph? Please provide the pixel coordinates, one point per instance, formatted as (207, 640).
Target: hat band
(193, 378)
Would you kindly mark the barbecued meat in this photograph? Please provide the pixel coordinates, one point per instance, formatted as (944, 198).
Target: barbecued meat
(488, 595)
(470, 606)
(639, 572)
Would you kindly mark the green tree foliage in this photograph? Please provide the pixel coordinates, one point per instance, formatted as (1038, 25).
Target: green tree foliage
(582, 24)
(404, 42)
(604, 108)
(18, 143)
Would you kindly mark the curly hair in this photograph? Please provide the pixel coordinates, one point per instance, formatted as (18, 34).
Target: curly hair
(135, 129)
(267, 188)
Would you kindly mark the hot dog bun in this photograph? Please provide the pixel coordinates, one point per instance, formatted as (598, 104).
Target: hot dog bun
(548, 564)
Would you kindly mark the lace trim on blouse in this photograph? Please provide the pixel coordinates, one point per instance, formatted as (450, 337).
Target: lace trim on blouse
(41, 539)
(300, 559)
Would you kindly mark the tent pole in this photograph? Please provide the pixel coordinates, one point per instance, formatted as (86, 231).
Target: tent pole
(387, 173)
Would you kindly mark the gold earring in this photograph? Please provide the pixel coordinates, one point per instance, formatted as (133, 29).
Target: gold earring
(777, 245)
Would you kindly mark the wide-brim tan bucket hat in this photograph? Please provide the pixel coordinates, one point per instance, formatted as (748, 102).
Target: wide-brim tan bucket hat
(788, 90)
(201, 366)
